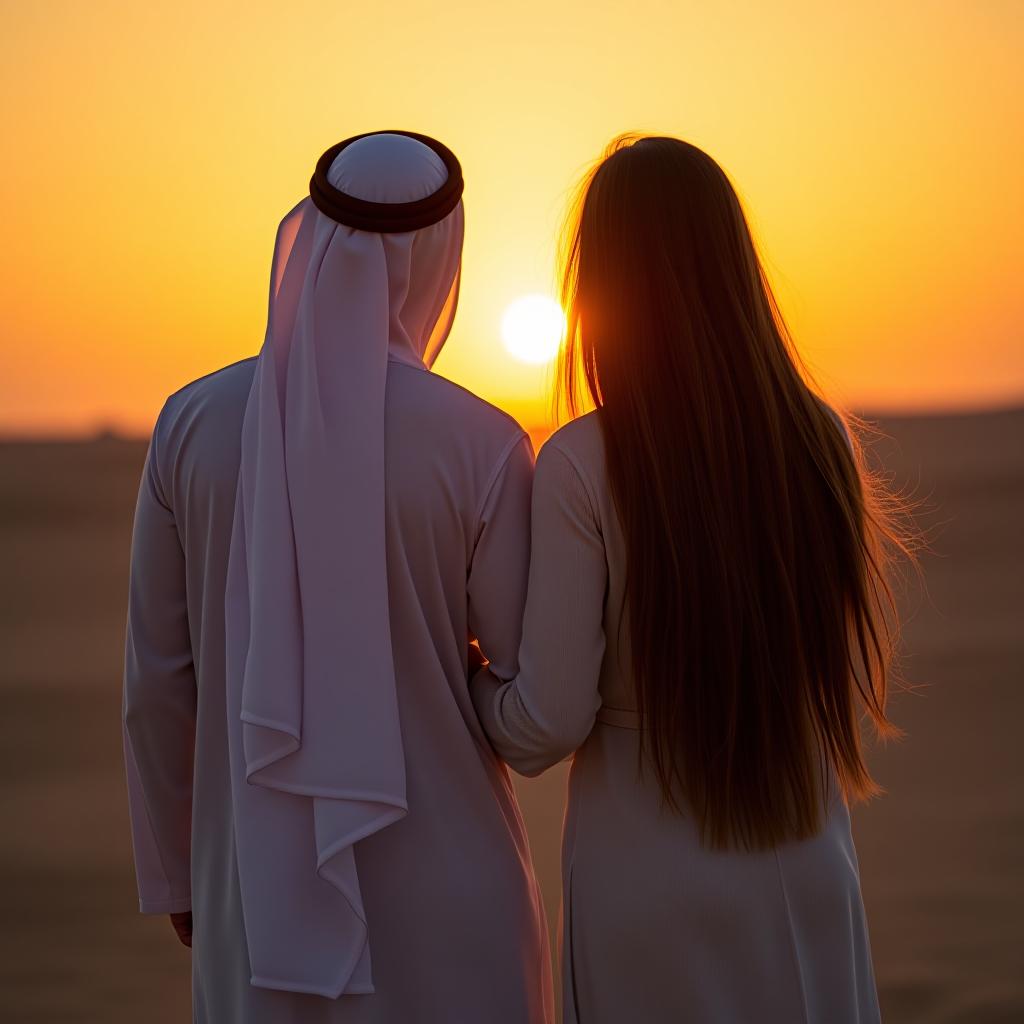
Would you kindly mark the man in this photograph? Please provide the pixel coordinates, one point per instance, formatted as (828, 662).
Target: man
(318, 532)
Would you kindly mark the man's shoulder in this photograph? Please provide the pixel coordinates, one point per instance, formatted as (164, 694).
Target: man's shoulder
(228, 380)
(207, 411)
(222, 393)
(443, 401)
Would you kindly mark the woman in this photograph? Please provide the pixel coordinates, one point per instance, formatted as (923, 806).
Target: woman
(704, 626)
(306, 771)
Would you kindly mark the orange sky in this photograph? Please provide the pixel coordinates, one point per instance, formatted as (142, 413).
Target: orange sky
(150, 149)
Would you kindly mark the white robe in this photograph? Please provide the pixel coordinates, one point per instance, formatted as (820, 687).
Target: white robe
(456, 923)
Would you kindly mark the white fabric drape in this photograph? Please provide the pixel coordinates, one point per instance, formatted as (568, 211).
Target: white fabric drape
(309, 662)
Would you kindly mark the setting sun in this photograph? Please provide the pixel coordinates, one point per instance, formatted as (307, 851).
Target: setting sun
(893, 257)
(532, 328)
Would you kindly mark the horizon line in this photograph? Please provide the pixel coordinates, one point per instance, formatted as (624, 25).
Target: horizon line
(112, 433)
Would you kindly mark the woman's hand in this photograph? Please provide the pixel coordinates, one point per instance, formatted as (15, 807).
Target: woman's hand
(182, 925)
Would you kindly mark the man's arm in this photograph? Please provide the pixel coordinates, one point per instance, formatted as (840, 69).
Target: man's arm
(159, 707)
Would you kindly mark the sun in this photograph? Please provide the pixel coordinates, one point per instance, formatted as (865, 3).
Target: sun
(532, 328)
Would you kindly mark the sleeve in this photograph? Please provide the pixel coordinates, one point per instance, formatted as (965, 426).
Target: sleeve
(546, 712)
(500, 564)
(159, 704)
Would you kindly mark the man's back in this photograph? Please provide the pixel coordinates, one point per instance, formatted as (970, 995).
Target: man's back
(457, 509)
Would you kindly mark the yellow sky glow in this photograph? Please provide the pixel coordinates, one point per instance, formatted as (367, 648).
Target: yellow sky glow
(150, 150)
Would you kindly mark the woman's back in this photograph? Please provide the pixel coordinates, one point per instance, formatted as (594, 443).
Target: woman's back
(658, 927)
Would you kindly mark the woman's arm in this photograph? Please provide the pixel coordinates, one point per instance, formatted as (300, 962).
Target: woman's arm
(547, 711)
(496, 585)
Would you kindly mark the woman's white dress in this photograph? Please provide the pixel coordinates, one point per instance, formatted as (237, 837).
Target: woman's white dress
(655, 927)
(456, 923)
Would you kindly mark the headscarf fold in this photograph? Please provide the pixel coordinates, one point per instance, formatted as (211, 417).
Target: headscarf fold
(315, 741)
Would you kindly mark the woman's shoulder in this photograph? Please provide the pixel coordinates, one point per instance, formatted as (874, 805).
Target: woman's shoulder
(579, 442)
(839, 419)
(572, 460)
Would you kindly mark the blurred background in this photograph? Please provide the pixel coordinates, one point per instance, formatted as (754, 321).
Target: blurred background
(149, 152)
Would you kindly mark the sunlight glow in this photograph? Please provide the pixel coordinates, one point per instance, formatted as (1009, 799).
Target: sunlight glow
(895, 258)
(532, 328)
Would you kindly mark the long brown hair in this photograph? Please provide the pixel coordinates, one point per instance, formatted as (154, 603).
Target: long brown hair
(759, 616)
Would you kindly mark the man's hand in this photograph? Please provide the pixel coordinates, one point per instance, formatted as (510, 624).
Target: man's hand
(182, 925)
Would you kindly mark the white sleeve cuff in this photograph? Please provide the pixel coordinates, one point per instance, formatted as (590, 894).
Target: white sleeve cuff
(172, 906)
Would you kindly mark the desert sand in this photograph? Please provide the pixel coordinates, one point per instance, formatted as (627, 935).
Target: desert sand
(941, 854)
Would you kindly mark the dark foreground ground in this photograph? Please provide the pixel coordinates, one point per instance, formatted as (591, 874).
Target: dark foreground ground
(941, 855)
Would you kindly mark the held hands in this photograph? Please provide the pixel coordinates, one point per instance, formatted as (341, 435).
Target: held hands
(476, 659)
(182, 925)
